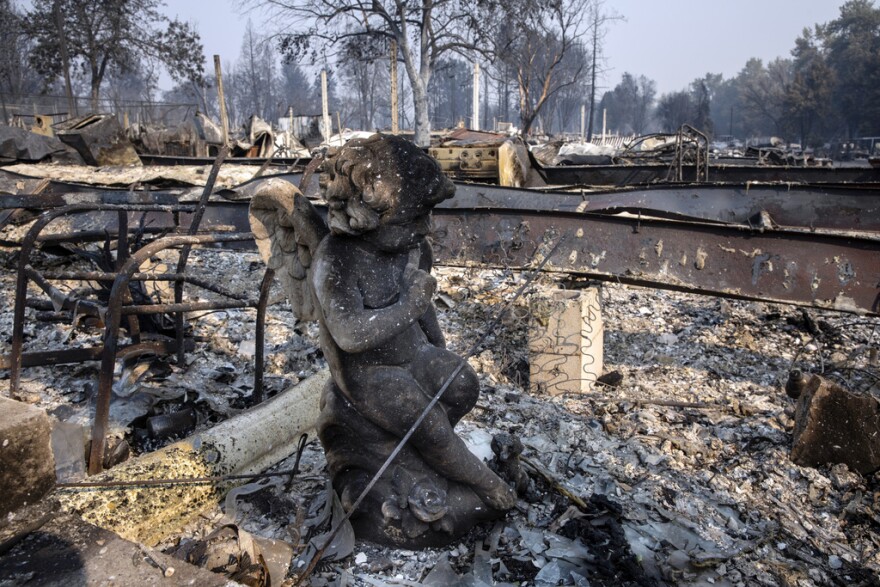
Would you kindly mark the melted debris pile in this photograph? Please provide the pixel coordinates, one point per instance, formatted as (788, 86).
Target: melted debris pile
(677, 471)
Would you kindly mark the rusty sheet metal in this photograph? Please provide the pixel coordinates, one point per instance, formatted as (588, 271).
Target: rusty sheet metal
(836, 207)
(792, 267)
(99, 139)
(623, 175)
(789, 266)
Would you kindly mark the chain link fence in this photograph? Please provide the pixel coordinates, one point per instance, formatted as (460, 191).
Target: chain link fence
(22, 110)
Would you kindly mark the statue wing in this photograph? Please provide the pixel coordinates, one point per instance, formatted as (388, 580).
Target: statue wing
(288, 230)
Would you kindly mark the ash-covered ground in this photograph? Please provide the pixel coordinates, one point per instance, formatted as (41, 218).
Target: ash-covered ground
(678, 474)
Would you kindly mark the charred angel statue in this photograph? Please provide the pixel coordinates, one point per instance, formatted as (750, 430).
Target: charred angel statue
(367, 280)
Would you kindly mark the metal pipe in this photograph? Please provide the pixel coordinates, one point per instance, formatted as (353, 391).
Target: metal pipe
(193, 229)
(259, 351)
(185, 307)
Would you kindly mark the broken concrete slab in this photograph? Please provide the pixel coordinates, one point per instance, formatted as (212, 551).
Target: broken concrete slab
(248, 443)
(833, 425)
(65, 550)
(25, 455)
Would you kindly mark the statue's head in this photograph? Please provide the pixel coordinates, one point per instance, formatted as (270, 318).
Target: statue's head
(382, 181)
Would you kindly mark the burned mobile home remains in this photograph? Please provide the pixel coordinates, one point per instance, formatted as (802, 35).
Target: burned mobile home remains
(127, 260)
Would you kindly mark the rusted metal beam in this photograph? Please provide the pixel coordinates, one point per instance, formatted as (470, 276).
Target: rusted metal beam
(287, 162)
(788, 266)
(639, 174)
(119, 197)
(842, 208)
(802, 249)
(838, 207)
(849, 208)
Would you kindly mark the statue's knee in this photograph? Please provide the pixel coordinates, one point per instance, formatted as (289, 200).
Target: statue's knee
(435, 438)
(465, 389)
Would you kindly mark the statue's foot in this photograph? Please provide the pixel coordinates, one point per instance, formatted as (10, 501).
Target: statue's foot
(412, 526)
(496, 494)
(390, 510)
(445, 525)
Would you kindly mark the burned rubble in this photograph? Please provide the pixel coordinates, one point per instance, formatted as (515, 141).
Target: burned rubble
(706, 440)
(683, 468)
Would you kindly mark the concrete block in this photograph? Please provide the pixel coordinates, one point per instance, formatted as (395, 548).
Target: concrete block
(28, 469)
(566, 342)
(833, 425)
(69, 552)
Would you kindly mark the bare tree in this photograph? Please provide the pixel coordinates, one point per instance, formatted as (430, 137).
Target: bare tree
(296, 91)
(16, 77)
(563, 107)
(364, 68)
(629, 104)
(675, 109)
(424, 30)
(117, 34)
(450, 90)
(253, 83)
(763, 91)
(533, 38)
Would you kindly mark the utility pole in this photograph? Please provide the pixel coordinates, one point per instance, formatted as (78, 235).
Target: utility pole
(604, 120)
(222, 99)
(65, 60)
(395, 128)
(486, 99)
(593, 75)
(583, 121)
(476, 106)
(325, 107)
(289, 129)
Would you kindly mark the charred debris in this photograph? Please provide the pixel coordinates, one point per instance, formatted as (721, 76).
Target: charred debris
(713, 421)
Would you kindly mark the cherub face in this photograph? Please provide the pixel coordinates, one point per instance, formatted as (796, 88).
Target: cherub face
(384, 183)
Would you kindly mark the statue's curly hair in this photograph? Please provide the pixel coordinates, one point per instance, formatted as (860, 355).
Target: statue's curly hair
(370, 179)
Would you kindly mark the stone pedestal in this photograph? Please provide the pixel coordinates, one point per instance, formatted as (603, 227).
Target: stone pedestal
(25, 455)
(565, 342)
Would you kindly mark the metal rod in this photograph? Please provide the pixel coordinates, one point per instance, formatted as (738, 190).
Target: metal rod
(259, 352)
(178, 481)
(59, 299)
(193, 229)
(80, 355)
(185, 307)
